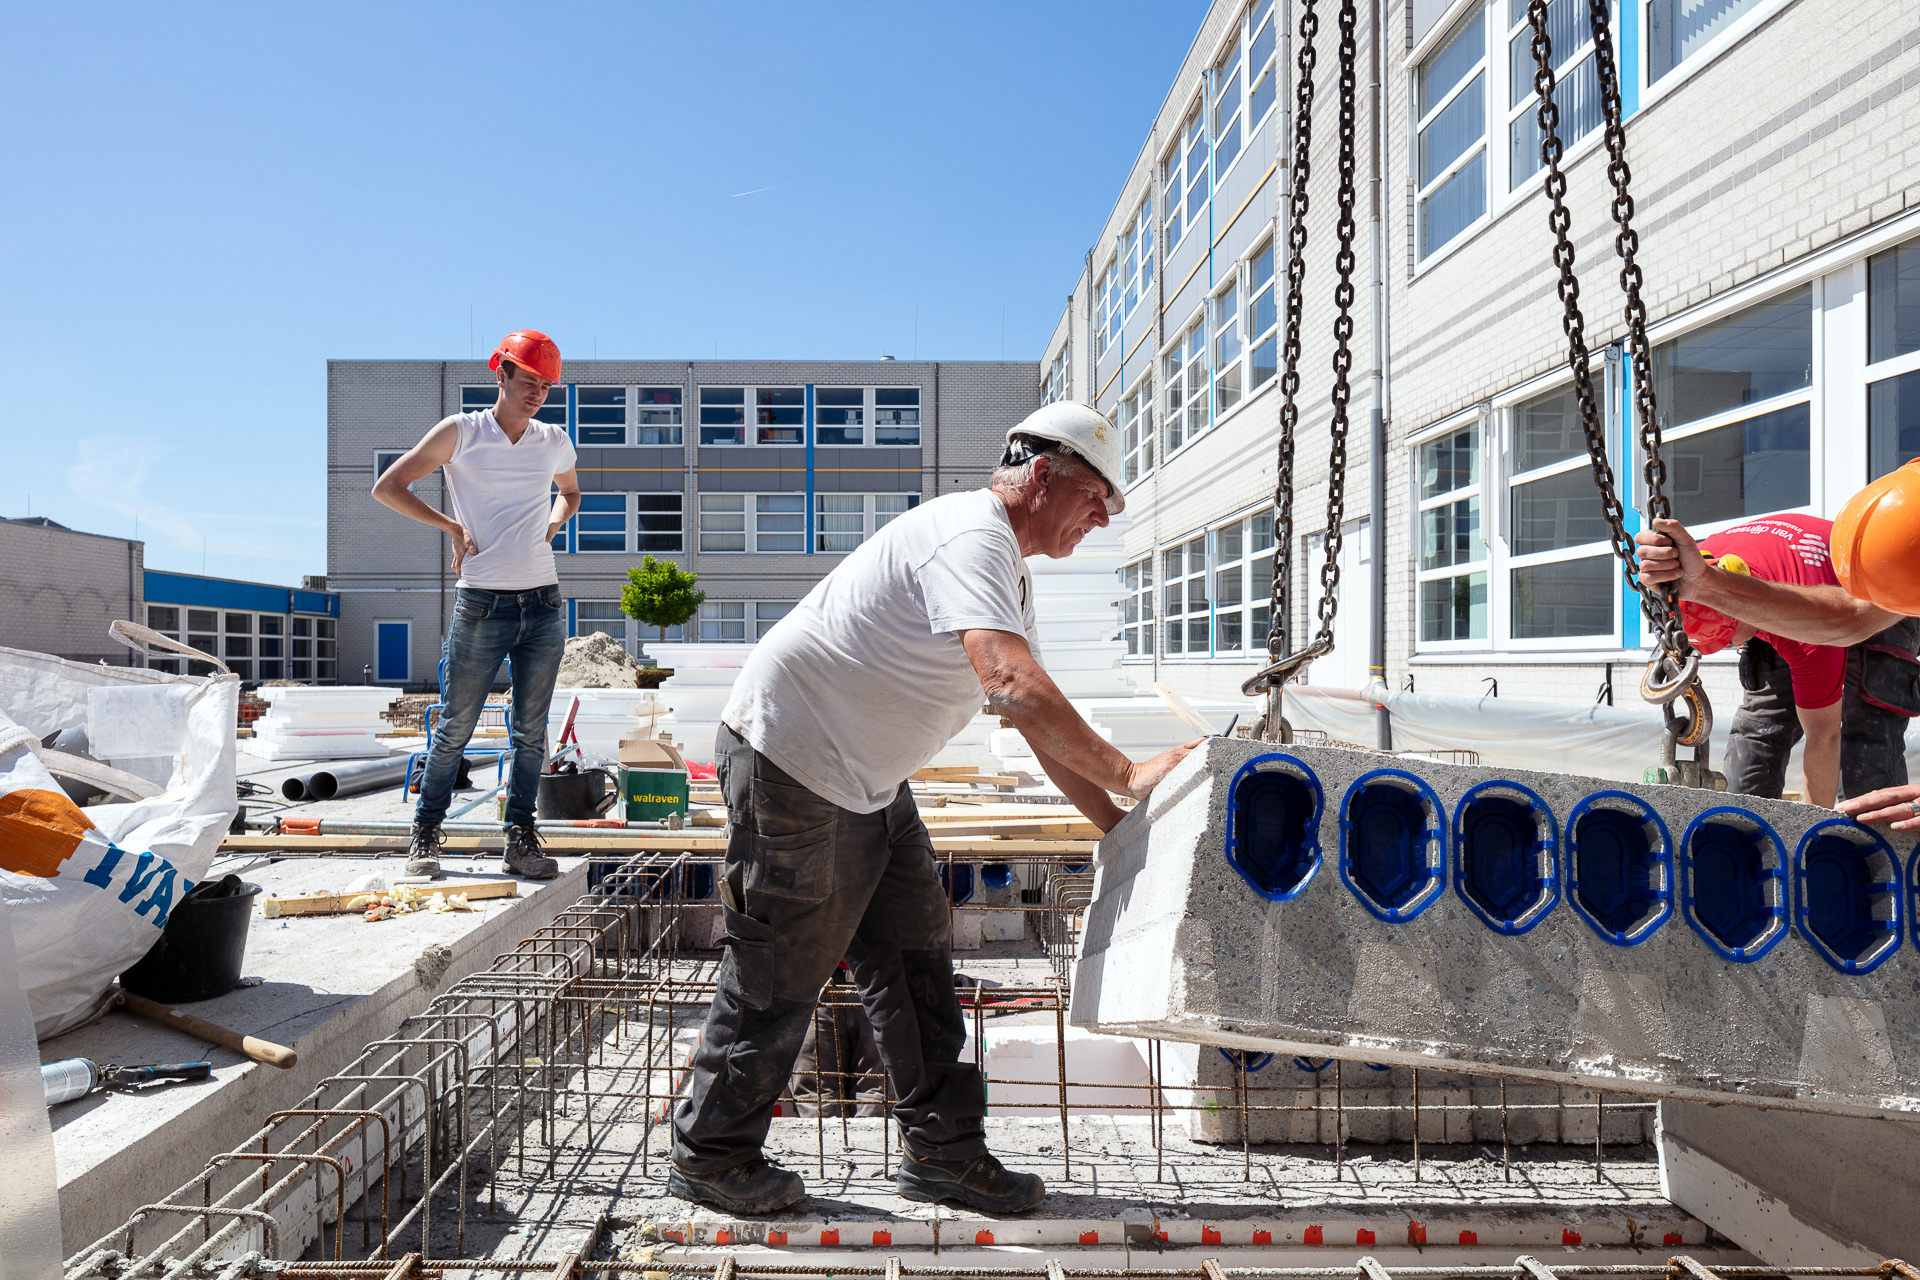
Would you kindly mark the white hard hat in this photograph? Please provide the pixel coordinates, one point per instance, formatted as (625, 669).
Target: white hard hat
(1085, 432)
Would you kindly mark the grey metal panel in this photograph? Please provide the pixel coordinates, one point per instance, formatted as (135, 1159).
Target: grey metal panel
(1255, 215)
(875, 470)
(641, 469)
(752, 469)
(1181, 276)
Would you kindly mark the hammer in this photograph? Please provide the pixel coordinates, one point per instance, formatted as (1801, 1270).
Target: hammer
(276, 1055)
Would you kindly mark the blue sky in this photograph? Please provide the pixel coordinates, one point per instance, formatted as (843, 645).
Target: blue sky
(209, 202)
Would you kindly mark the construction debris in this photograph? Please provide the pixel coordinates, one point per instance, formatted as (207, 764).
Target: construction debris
(400, 900)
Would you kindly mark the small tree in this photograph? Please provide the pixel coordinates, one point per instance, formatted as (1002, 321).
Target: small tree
(660, 594)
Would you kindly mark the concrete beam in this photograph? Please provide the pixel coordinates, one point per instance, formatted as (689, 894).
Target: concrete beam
(1638, 938)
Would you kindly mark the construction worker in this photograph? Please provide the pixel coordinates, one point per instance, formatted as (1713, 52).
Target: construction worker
(501, 465)
(1851, 703)
(874, 671)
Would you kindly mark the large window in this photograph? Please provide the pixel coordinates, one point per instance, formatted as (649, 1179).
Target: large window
(839, 415)
(1451, 135)
(1560, 571)
(1183, 178)
(1242, 584)
(780, 415)
(1058, 384)
(1136, 430)
(1735, 401)
(1106, 308)
(1227, 101)
(659, 411)
(765, 522)
(602, 522)
(1186, 384)
(1136, 608)
(1677, 29)
(842, 521)
(1227, 347)
(1576, 90)
(659, 524)
(600, 415)
(723, 415)
(896, 416)
(1185, 611)
(606, 617)
(1263, 317)
(1893, 355)
(482, 396)
(723, 522)
(779, 522)
(1453, 555)
(622, 522)
(740, 621)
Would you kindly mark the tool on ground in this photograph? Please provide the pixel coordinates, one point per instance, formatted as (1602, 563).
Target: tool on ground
(274, 1055)
(72, 1078)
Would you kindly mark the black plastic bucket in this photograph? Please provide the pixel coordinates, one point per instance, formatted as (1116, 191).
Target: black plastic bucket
(574, 796)
(201, 951)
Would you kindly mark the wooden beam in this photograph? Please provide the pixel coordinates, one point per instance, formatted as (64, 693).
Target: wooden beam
(333, 904)
(609, 841)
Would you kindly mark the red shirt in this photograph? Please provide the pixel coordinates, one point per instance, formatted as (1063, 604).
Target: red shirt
(1792, 550)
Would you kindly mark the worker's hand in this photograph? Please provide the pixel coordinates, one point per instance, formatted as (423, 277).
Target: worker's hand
(463, 546)
(1668, 553)
(1889, 804)
(1143, 777)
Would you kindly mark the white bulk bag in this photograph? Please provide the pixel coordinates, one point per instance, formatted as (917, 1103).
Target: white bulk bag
(88, 890)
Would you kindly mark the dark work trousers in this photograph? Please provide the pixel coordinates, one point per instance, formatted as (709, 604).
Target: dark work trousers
(806, 883)
(1881, 693)
(838, 1070)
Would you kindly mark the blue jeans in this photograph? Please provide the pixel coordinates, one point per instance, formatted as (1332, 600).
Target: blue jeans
(529, 628)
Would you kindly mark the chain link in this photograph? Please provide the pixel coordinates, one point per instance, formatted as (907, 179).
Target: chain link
(1279, 630)
(1658, 604)
(1343, 295)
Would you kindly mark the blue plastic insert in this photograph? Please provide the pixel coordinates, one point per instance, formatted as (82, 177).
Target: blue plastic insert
(957, 879)
(1393, 844)
(1273, 825)
(1619, 867)
(1733, 884)
(996, 875)
(1847, 895)
(696, 884)
(1506, 856)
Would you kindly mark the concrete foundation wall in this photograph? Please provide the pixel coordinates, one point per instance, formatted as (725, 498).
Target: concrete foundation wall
(1322, 972)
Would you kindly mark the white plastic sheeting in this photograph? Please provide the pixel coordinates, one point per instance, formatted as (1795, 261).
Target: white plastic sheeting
(29, 1194)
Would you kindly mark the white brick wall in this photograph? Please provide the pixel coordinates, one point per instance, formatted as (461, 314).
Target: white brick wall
(60, 590)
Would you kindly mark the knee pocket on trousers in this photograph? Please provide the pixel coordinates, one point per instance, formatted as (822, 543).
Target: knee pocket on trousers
(1889, 682)
(748, 967)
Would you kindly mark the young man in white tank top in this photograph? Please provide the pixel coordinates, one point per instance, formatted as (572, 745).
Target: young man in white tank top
(501, 464)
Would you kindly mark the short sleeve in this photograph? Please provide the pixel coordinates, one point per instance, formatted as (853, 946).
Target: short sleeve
(566, 457)
(1819, 671)
(972, 580)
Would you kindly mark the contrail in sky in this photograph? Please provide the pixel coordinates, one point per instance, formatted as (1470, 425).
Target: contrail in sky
(756, 191)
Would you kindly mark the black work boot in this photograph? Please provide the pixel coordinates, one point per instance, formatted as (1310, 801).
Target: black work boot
(423, 850)
(756, 1187)
(981, 1183)
(523, 856)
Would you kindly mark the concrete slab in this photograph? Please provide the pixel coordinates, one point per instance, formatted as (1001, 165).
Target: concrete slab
(331, 984)
(1644, 938)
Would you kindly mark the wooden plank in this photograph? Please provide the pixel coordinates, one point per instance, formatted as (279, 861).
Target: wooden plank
(333, 904)
(1059, 828)
(965, 773)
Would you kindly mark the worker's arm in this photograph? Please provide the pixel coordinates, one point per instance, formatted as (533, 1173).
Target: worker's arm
(1088, 797)
(1813, 615)
(1018, 689)
(565, 503)
(1889, 804)
(1821, 759)
(434, 451)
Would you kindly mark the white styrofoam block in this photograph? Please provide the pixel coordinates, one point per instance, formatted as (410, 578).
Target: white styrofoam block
(677, 655)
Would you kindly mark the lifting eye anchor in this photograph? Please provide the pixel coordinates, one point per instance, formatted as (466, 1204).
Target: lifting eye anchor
(1271, 679)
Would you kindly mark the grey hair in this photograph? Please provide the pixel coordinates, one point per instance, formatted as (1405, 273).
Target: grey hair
(1014, 472)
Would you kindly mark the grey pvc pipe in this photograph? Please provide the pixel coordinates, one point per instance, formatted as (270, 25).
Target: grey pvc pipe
(401, 827)
(330, 782)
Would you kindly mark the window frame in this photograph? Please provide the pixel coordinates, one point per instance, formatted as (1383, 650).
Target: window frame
(1187, 615)
(580, 427)
(755, 617)
(1138, 426)
(1191, 358)
(872, 519)
(1480, 487)
(1651, 91)
(1138, 594)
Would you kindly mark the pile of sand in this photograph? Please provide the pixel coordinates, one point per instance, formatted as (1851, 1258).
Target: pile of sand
(597, 661)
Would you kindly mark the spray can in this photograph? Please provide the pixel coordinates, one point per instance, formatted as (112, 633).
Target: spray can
(68, 1079)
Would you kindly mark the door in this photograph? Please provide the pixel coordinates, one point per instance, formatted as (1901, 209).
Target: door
(1346, 667)
(392, 652)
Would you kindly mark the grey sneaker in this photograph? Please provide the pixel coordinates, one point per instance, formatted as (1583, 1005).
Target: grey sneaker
(981, 1183)
(756, 1187)
(423, 850)
(523, 856)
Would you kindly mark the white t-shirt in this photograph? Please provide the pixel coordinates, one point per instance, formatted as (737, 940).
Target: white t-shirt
(866, 679)
(502, 492)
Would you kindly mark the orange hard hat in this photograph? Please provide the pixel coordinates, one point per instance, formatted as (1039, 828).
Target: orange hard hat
(531, 350)
(1709, 629)
(1876, 541)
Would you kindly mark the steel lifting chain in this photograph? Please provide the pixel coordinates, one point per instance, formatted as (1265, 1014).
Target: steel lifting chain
(1280, 666)
(1674, 673)
(1283, 665)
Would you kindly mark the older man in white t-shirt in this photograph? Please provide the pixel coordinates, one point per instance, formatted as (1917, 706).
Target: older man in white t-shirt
(872, 673)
